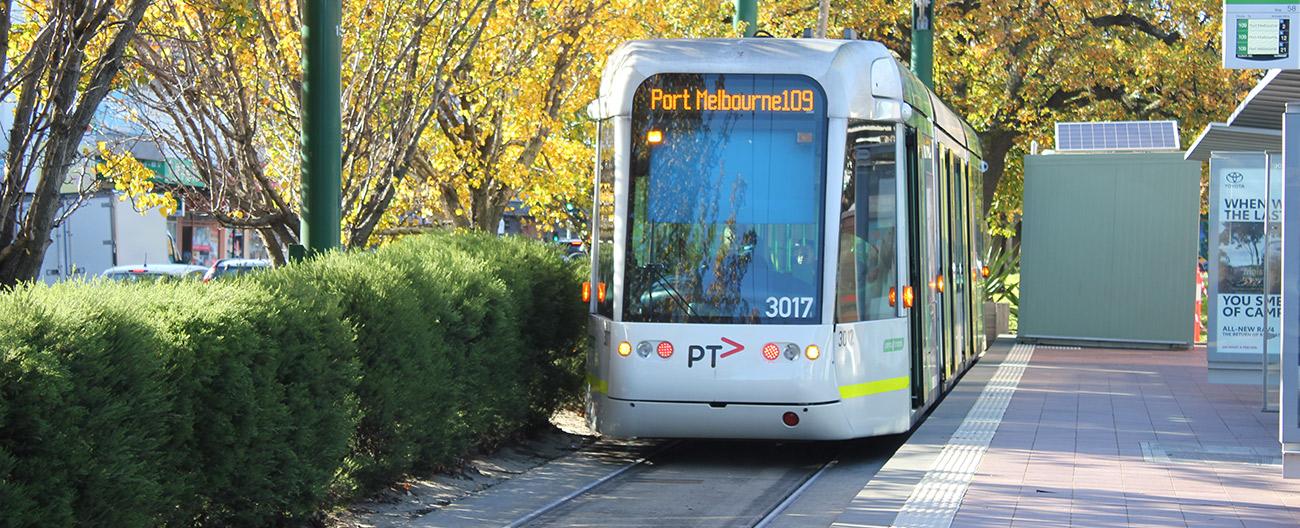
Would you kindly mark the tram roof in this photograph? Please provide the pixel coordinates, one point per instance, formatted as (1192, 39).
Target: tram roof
(870, 82)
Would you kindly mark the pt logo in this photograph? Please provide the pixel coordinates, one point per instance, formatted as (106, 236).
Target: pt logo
(697, 353)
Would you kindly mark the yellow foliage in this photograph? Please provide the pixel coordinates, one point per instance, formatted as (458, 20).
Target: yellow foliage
(134, 180)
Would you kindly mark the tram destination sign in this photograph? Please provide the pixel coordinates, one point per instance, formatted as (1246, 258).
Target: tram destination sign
(1257, 34)
(723, 100)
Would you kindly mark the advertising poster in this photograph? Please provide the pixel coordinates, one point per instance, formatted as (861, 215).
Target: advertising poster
(1239, 251)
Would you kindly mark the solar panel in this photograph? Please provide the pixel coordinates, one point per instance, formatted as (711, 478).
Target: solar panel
(1117, 135)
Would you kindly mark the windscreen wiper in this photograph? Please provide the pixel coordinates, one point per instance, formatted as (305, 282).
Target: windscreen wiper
(658, 277)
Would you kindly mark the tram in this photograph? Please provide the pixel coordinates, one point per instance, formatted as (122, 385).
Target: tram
(786, 238)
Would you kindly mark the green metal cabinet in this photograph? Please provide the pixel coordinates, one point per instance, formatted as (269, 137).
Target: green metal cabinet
(1108, 252)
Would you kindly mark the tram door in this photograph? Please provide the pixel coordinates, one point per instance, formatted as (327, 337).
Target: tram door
(923, 248)
(941, 281)
(958, 267)
(922, 345)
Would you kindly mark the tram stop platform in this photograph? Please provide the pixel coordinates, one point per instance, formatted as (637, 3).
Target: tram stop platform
(1063, 436)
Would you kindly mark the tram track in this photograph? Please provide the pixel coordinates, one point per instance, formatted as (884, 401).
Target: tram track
(693, 483)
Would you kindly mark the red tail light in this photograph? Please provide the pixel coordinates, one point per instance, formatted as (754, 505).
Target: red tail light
(790, 419)
(665, 349)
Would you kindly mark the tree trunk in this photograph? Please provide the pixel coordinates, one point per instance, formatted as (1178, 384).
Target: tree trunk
(22, 259)
(996, 144)
(273, 246)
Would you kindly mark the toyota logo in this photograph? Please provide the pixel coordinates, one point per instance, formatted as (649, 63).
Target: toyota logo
(1235, 177)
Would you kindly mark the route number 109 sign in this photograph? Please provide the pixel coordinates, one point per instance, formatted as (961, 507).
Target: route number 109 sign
(1257, 34)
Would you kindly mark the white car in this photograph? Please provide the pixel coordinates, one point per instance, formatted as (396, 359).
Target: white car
(154, 272)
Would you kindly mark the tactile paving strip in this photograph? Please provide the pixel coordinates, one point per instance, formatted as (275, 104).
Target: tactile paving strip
(935, 500)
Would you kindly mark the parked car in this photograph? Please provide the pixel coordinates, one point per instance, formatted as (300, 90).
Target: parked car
(574, 249)
(234, 267)
(154, 272)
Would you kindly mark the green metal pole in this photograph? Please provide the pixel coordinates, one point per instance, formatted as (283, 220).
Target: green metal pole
(321, 127)
(747, 14)
(923, 41)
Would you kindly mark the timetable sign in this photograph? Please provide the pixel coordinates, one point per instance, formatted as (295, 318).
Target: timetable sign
(1257, 34)
(1263, 38)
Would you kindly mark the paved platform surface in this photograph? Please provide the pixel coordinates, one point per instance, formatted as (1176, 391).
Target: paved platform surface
(1091, 437)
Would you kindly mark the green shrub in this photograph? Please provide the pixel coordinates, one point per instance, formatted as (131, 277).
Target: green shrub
(263, 400)
(264, 382)
(82, 410)
(545, 293)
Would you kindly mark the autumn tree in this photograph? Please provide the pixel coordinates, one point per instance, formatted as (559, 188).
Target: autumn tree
(222, 83)
(506, 127)
(514, 126)
(1014, 68)
(63, 59)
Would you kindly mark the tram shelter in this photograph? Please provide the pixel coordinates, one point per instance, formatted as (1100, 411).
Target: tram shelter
(1253, 141)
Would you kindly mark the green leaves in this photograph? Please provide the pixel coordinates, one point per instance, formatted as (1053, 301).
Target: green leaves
(266, 399)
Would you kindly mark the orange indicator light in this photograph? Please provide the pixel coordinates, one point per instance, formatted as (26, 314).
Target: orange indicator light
(893, 296)
(600, 292)
(654, 137)
(908, 297)
(586, 291)
(984, 272)
(812, 352)
(625, 349)
(938, 283)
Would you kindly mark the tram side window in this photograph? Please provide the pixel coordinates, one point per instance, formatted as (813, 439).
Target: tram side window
(868, 224)
(604, 290)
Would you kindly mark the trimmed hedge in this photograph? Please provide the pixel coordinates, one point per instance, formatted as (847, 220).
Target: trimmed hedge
(267, 399)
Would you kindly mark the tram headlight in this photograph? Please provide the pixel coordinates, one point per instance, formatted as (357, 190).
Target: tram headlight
(812, 352)
(791, 351)
(625, 349)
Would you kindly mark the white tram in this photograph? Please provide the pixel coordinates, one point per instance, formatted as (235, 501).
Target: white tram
(787, 236)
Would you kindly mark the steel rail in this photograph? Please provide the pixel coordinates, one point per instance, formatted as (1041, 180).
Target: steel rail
(780, 508)
(535, 514)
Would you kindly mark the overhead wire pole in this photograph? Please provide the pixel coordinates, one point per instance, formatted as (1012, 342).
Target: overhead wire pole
(747, 14)
(923, 41)
(321, 126)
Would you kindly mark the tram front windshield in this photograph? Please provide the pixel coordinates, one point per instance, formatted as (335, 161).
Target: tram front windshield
(726, 200)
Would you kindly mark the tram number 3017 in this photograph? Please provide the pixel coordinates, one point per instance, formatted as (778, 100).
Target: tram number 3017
(789, 306)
